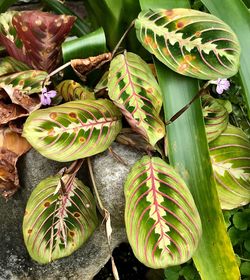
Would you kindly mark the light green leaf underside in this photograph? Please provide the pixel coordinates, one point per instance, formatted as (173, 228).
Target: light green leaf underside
(215, 117)
(230, 155)
(55, 223)
(190, 42)
(162, 222)
(134, 90)
(73, 130)
(10, 65)
(71, 90)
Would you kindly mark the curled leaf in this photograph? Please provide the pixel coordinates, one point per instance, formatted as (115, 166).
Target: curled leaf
(73, 130)
(42, 35)
(215, 117)
(60, 216)
(10, 112)
(162, 223)
(12, 146)
(190, 42)
(133, 88)
(230, 155)
(71, 90)
(85, 65)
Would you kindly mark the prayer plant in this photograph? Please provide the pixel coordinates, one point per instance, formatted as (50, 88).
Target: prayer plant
(174, 194)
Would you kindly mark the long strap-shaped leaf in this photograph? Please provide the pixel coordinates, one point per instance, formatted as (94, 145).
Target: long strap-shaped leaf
(134, 90)
(73, 130)
(238, 17)
(188, 152)
(60, 216)
(162, 222)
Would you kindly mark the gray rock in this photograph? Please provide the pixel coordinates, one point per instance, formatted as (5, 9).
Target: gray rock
(110, 176)
(86, 262)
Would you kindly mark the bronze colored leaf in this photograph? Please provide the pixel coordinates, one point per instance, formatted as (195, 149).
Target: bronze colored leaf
(10, 112)
(85, 65)
(12, 146)
(42, 35)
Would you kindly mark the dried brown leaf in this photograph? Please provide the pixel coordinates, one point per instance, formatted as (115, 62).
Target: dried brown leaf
(85, 65)
(10, 112)
(12, 146)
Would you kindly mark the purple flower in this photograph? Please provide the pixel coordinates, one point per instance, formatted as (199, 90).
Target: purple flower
(222, 84)
(46, 96)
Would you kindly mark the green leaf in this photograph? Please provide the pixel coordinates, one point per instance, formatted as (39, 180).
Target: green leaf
(247, 245)
(215, 117)
(236, 16)
(5, 4)
(235, 235)
(188, 153)
(28, 82)
(73, 130)
(230, 155)
(240, 220)
(190, 42)
(60, 216)
(161, 219)
(172, 273)
(79, 28)
(133, 88)
(245, 268)
(91, 44)
(71, 90)
(9, 65)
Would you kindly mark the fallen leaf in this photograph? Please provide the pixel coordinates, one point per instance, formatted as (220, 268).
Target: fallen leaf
(85, 65)
(12, 146)
(10, 112)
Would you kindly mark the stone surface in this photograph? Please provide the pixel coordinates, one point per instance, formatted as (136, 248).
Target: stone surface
(110, 176)
(15, 262)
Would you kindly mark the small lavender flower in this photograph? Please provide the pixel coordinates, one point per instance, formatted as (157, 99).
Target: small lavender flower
(222, 84)
(46, 96)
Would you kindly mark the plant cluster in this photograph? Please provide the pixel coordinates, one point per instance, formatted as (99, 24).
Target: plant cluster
(106, 94)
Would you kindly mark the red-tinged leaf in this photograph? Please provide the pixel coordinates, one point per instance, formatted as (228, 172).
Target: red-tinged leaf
(12, 146)
(9, 38)
(59, 217)
(42, 35)
(162, 222)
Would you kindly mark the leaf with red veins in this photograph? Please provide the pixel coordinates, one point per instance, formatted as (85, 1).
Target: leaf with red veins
(42, 35)
(12, 146)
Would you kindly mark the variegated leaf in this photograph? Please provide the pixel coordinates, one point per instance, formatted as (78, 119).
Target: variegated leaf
(71, 90)
(190, 42)
(10, 65)
(73, 130)
(134, 90)
(230, 155)
(9, 38)
(162, 223)
(60, 216)
(27, 82)
(215, 116)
